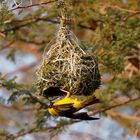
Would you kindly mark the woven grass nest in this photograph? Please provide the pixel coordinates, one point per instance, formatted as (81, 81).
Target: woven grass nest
(67, 66)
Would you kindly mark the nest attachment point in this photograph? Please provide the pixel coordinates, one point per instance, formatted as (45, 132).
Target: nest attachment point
(67, 66)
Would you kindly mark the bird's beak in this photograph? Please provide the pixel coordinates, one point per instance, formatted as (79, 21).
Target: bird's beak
(50, 105)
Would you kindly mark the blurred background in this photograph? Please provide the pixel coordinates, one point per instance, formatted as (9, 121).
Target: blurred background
(108, 29)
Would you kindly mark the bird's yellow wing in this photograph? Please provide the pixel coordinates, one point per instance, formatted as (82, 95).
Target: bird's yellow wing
(61, 109)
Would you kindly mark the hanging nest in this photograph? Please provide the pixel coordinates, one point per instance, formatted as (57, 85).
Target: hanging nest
(67, 66)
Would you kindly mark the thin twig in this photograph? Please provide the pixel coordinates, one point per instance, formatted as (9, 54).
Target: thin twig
(131, 15)
(32, 5)
(7, 46)
(37, 99)
(122, 9)
(128, 118)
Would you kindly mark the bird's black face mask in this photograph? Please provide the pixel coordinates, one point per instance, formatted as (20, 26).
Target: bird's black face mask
(53, 93)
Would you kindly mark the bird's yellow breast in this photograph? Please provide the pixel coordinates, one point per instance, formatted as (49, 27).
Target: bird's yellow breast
(52, 111)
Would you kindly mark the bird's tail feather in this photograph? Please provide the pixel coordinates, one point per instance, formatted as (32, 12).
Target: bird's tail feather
(81, 116)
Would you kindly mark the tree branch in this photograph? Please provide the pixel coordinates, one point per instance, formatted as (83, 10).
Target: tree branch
(28, 23)
(24, 132)
(114, 106)
(30, 131)
(40, 19)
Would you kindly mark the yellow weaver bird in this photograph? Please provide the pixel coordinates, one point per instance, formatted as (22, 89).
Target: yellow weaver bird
(68, 107)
